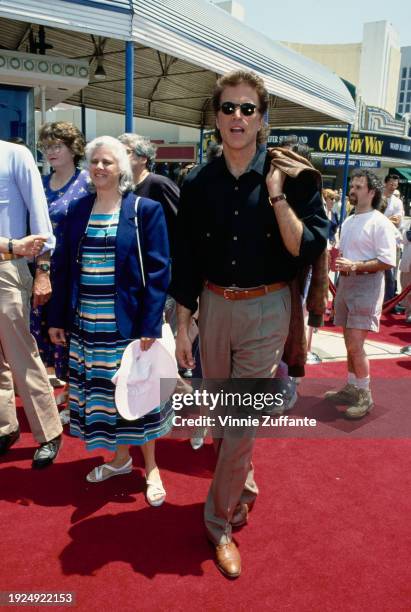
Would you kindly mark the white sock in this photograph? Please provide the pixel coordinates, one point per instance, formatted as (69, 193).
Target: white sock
(363, 383)
(351, 378)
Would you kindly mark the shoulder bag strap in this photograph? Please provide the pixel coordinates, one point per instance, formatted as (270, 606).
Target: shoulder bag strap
(143, 276)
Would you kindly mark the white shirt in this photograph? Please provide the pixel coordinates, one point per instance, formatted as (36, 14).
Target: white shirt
(368, 236)
(405, 263)
(394, 207)
(22, 192)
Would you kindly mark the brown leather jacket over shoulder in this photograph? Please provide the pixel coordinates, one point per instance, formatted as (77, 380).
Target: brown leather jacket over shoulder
(300, 172)
(293, 164)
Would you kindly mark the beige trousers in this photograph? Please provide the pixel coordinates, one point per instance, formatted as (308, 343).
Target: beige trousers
(238, 339)
(19, 358)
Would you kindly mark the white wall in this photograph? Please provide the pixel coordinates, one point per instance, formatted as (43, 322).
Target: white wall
(379, 66)
(100, 123)
(340, 58)
(234, 8)
(72, 114)
(372, 65)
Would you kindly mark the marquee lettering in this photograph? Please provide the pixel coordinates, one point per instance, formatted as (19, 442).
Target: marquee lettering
(370, 145)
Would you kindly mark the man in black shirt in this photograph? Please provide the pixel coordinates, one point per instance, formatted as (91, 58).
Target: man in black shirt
(239, 242)
(142, 154)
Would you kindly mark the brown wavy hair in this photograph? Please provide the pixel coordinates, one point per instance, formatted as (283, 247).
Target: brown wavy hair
(374, 183)
(67, 133)
(234, 78)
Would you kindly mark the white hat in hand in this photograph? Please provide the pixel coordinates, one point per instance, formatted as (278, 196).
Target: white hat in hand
(145, 379)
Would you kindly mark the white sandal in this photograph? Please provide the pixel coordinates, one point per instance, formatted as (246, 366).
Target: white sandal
(154, 489)
(97, 475)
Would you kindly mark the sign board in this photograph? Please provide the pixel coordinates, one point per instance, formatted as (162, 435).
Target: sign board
(176, 153)
(336, 162)
(334, 141)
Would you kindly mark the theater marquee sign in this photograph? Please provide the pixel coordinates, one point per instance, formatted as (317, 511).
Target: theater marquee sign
(361, 144)
(334, 142)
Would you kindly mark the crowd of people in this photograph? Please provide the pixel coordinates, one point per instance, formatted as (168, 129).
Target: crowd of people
(111, 258)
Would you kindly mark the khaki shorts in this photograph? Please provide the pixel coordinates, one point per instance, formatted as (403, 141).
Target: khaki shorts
(358, 302)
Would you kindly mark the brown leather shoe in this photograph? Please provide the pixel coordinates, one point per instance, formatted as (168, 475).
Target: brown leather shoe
(228, 560)
(240, 516)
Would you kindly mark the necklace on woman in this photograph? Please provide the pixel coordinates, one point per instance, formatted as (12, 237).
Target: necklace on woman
(112, 210)
(106, 233)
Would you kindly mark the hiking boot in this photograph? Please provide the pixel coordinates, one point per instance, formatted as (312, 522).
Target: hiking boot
(363, 405)
(346, 395)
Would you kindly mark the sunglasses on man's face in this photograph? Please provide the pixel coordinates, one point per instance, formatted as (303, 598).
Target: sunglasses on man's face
(247, 108)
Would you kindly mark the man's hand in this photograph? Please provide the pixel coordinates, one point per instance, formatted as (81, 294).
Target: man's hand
(57, 336)
(146, 343)
(30, 246)
(343, 265)
(41, 288)
(396, 219)
(184, 352)
(275, 181)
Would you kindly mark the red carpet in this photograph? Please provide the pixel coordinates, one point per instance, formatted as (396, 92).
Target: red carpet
(330, 531)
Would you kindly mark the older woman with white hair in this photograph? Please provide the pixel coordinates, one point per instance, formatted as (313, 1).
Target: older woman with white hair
(100, 298)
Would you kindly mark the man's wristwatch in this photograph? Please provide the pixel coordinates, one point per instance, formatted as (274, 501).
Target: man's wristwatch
(275, 199)
(10, 246)
(44, 267)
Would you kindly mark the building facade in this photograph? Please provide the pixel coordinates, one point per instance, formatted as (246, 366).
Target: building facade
(372, 65)
(404, 86)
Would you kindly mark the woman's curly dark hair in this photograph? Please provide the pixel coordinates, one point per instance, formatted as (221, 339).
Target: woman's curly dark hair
(67, 133)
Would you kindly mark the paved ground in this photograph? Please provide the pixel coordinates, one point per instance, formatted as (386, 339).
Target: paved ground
(329, 346)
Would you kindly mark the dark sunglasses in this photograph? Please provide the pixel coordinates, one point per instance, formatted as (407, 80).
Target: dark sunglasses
(247, 108)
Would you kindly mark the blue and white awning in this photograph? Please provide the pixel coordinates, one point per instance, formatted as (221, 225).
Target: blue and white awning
(180, 47)
(206, 35)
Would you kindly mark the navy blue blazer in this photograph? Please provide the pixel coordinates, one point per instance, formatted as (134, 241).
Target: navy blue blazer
(138, 309)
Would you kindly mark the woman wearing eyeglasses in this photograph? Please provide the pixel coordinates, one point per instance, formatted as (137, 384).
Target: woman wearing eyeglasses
(62, 145)
(100, 300)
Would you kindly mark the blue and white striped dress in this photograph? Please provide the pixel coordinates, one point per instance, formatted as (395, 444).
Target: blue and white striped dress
(96, 348)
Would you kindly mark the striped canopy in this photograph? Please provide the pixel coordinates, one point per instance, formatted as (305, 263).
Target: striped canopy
(180, 48)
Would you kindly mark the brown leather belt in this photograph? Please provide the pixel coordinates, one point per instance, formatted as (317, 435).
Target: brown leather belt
(357, 273)
(9, 256)
(244, 294)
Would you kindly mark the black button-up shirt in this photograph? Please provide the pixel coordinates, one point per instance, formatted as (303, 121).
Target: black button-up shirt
(227, 231)
(166, 192)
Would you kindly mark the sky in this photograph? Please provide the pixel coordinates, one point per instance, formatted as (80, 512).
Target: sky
(326, 21)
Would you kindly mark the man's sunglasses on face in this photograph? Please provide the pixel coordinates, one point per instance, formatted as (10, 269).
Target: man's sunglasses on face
(247, 108)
